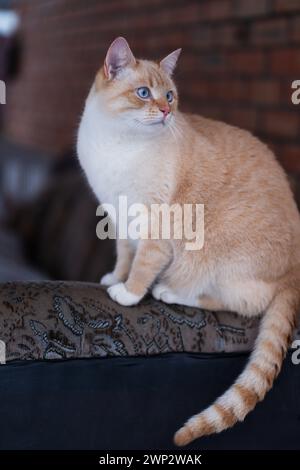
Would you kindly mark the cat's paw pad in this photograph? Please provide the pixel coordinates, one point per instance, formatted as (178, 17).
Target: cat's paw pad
(162, 292)
(109, 279)
(122, 296)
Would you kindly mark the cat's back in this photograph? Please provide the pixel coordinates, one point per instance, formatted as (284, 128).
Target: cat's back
(242, 153)
(211, 129)
(222, 135)
(244, 170)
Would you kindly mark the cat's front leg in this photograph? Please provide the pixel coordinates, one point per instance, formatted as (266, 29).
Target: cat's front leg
(152, 256)
(125, 255)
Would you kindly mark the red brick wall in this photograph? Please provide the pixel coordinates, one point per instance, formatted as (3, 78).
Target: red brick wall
(239, 60)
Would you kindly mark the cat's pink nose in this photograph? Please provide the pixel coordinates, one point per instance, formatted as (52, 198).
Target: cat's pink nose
(165, 110)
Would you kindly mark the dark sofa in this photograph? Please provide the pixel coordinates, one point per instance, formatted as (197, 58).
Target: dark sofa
(85, 373)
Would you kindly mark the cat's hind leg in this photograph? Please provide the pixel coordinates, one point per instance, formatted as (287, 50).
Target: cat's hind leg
(162, 292)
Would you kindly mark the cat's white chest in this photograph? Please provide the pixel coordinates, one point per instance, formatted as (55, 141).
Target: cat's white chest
(114, 165)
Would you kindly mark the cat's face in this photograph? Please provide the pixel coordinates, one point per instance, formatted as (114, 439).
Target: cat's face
(139, 93)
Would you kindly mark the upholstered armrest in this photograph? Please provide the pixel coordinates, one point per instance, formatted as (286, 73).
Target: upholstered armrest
(59, 320)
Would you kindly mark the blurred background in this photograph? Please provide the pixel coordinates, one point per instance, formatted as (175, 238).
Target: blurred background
(239, 60)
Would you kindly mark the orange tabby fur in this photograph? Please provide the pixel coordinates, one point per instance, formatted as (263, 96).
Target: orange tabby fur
(250, 262)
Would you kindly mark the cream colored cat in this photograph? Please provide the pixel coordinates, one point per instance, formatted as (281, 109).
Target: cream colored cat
(133, 141)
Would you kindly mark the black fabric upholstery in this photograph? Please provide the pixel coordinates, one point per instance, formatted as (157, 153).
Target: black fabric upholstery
(137, 403)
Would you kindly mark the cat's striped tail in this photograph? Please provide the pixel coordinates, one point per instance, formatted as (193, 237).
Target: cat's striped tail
(257, 378)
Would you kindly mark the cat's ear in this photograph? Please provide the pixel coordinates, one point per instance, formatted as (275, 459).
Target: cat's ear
(168, 64)
(118, 57)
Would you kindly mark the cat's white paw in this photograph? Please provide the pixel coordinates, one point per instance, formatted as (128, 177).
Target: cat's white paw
(122, 296)
(157, 291)
(162, 292)
(109, 279)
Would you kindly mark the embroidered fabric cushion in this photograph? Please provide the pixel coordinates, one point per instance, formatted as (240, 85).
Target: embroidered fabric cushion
(59, 320)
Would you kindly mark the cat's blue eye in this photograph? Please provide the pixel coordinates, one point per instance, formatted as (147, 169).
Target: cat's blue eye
(170, 96)
(143, 92)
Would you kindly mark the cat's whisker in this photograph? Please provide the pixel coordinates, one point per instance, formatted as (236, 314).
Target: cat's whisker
(175, 131)
(172, 132)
